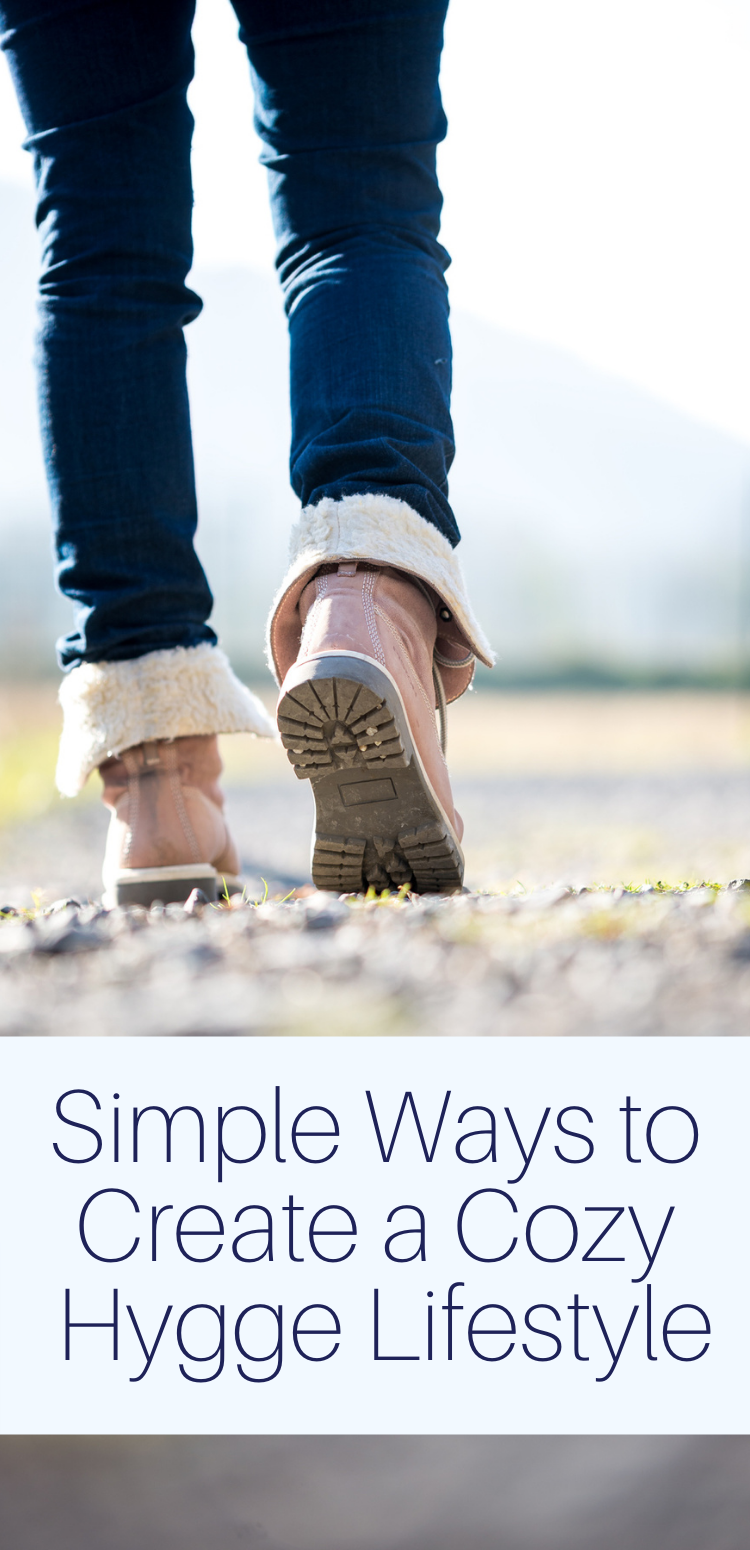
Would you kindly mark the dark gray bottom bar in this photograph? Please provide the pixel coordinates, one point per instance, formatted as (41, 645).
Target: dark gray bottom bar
(380, 1493)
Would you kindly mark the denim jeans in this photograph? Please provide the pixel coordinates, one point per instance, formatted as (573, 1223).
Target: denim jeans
(349, 112)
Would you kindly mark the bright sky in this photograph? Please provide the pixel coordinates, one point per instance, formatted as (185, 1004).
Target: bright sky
(597, 181)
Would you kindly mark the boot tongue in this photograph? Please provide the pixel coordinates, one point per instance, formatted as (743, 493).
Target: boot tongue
(347, 568)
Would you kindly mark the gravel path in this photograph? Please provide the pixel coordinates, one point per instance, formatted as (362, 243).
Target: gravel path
(548, 963)
(534, 956)
(542, 959)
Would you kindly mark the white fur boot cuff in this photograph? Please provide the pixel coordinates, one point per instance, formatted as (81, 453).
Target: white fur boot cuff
(384, 531)
(185, 692)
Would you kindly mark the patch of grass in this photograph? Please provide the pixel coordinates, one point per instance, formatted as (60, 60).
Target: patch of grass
(386, 895)
(661, 887)
(30, 912)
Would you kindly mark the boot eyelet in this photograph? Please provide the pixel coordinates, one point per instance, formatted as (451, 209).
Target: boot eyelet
(445, 614)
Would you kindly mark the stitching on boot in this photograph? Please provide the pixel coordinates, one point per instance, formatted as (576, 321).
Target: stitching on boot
(368, 583)
(321, 587)
(133, 801)
(130, 760)
(134, 792)
(170, 758)
(416, 680)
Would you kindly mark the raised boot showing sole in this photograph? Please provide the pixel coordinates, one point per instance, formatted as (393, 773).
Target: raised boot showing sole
(167, 833)
(360, 725)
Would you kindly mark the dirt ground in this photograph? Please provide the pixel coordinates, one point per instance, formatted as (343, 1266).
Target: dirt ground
(592, 822)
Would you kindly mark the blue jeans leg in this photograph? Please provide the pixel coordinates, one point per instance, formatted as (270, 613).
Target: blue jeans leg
(348, 107)
(103, 90)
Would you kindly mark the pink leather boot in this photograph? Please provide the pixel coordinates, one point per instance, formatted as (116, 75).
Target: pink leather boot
(357, 717)
(149, 725)
(167, 834)
(371, 631)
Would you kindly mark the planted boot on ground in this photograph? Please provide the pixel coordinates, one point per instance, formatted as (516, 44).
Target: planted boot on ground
(357, 717)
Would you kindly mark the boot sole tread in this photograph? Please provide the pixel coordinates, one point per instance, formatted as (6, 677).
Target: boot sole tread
(377, 821)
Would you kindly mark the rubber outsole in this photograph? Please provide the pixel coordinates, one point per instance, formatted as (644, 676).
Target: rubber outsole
(168, 885)
(378, 823)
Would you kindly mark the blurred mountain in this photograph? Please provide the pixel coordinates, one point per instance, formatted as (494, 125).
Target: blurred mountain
(604, 533)
(601, 527)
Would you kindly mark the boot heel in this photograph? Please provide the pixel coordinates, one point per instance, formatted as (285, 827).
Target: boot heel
(338, 864)
(378, 822)
(168, 884)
